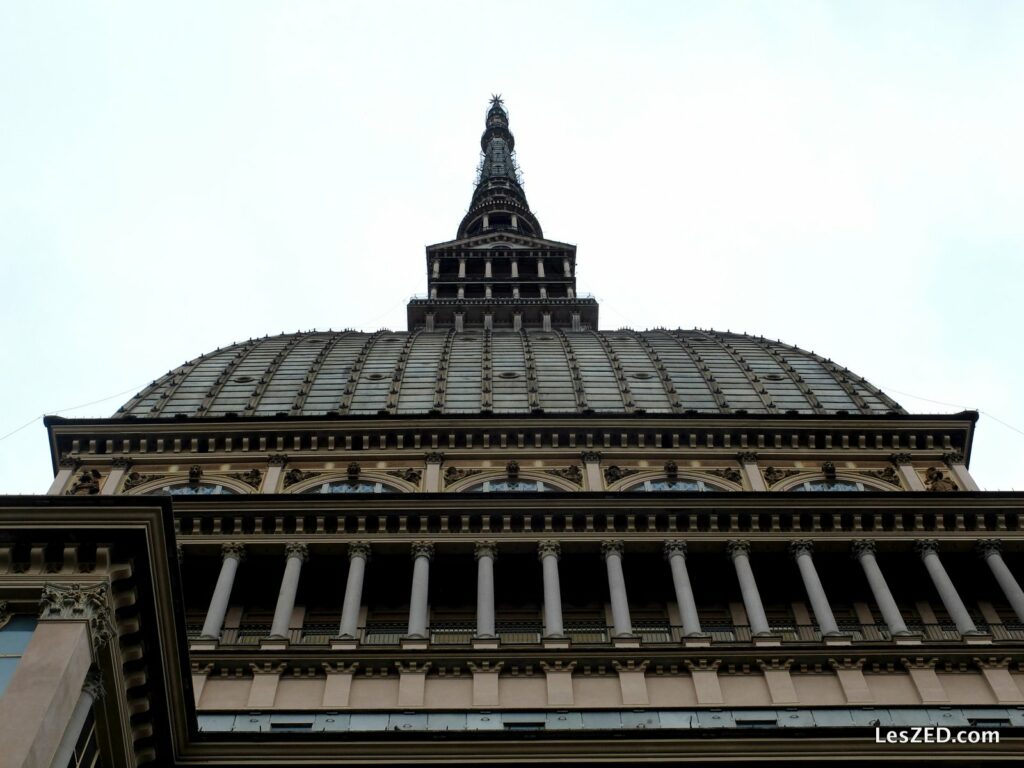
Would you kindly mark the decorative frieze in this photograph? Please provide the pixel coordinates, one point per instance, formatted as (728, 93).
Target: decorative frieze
(571, 473)
(773, 475)
(615, 473)
(86, 484)
(252, 477)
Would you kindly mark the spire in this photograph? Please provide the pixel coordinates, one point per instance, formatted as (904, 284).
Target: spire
(500, 272)
(499, 202)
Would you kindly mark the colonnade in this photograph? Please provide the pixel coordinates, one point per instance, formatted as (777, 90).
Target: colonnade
(675, 551)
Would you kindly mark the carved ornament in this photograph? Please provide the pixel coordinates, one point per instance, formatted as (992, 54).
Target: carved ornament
(293, 476)
(75, 602)
(86, 484)
(353, 471)
(454, 474)
(773, 475)
(828, 469)
(572, 473)
(512, 469)
(549, 548)
(671, 470)
(195, 474)
(935, 480)
(733, 475)
(887, 475)
(614, 473)
(409, 475)
(136, 479)
(253, 477)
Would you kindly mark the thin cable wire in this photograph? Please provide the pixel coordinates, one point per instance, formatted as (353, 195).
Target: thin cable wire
(955, 405)
(72, 408)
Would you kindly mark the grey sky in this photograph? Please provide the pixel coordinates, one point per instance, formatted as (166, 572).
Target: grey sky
(848, 177)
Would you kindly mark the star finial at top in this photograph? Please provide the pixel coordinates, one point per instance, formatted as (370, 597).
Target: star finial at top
(496, 100)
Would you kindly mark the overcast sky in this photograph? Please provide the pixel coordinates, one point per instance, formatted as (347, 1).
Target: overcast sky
(848, 177)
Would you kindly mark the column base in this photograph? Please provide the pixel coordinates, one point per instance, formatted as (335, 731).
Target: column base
(907, 638)
(274, 644)
(344, 643)
(486, 642)
(977, 638)
(556, 641)
(697, 640)
(838, 638)
(626, 641)
(415, 643)
(766, 639)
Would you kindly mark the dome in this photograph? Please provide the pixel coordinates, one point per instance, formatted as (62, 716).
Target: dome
(507, 372)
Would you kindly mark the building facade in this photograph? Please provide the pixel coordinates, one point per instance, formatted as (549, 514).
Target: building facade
(508, 535)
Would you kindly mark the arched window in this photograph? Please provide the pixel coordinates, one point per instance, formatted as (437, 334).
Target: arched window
(828, 486)
(201, 489)
(356, 486)
(510, 486)
(653, 486)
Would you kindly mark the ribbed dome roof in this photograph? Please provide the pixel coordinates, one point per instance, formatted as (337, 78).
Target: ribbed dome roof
(659, 371)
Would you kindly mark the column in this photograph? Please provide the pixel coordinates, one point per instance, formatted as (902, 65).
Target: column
(675, 553)
(958, 468)
(231, 555)
(739, 551)
(801, 551)
(462, 268)
(121, 465)
(540, 268)
(422, 554)
(515, 269)
(487, 268)
(592, 470)
(612, 553)
(296, 554)
(41, 698)
(566, 268)
(91, 690)
(929, 550)
(550, 552)
(66, 469)
(864, 551)
(751, 472)
(486, 553)
(358, 555)
(989, 549)
(275, 466)
(435, 269)
(905, 469)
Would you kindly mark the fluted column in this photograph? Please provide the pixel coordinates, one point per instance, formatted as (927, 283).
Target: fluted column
(612, 552)
(486, 553)
(801, 551)
(231, 555)
(91, 691)
(989, 549)
(739, 551)
(675, 553)
(295, 554)
(550, 552)
(358, 555)
(864, 551)
(422, 554)
(929, 551)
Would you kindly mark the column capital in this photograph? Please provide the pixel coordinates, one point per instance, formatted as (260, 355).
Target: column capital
(801, 547)
(590, 457)
(77, 602)
(296, 549)
(746, 457)
(359, 549)
(609, 548)
(277, 459)
(549, 549)
(925, 547)
(422, 549)
(989, 547)
(674, 547)
(485, 549)
(434, 457)
(952, 457)
(93, 684)
(235, 549)
(862, 547)
(738, 548)
(900, 458)
(67, 461)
